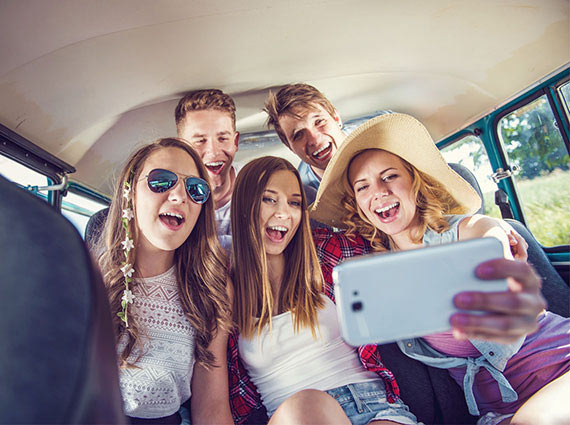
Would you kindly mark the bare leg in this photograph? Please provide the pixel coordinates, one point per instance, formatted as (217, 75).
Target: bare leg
(312, 407)
(309, 407)
(548, 406)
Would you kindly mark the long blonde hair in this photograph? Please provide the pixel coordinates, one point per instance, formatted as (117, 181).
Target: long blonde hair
(303, 280)
(201, 264)
(433, 201)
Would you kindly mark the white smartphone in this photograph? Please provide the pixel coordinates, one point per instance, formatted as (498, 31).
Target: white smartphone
(387, 297)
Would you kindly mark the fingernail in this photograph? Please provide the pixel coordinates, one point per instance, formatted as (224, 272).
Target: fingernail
(484, 270)
(464, 299)
(459, 320)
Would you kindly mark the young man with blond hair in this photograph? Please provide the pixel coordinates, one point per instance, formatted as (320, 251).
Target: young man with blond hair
(207, 120)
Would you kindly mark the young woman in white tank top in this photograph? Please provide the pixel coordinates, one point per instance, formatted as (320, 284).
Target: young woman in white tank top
(289, 335)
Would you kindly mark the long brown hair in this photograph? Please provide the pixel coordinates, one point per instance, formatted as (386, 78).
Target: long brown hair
(200, 262)
(433, 201)
(302, 281)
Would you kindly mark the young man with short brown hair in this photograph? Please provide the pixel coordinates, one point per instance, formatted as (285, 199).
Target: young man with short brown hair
(207, 120)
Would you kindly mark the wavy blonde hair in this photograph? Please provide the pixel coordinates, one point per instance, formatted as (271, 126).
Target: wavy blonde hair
(201, 264)
(302, 284)
(433, 201)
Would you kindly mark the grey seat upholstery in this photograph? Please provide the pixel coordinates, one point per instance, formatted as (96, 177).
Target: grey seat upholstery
(57, 356)
(470, 178)
(94, 228)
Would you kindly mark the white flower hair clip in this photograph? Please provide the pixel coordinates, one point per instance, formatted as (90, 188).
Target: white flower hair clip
(128, 244)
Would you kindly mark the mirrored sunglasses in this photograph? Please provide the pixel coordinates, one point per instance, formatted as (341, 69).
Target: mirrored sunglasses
(160, 181)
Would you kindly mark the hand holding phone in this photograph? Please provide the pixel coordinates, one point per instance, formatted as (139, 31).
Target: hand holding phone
(391, 296)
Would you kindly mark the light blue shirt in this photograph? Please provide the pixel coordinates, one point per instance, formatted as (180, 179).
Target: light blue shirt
(308, 176)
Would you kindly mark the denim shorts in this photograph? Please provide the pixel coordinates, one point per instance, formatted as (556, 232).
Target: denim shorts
(366, 401)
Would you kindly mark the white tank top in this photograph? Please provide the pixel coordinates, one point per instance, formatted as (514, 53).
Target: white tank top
(283, 362)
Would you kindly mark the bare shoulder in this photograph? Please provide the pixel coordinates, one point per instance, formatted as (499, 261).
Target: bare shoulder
(480, 226)
(477, 226)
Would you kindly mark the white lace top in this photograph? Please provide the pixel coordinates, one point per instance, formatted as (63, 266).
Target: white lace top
(160, 381)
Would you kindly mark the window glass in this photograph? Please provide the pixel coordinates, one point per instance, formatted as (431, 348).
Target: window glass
(22, 175)
(78, 208)
(470, 152)
(532, 141)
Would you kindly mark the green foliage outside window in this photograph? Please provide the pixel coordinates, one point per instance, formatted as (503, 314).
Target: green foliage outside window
(532, 140)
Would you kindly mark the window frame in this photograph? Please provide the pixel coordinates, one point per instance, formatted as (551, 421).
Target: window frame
(21, 150)
(486, 128)
(553, 97)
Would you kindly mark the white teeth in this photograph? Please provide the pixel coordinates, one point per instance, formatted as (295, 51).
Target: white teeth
(317, 153)
(386, 208)
(178, 216)
(279, 228)
(214, 164)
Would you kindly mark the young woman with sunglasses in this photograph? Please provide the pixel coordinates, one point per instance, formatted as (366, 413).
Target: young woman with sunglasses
(166, 278)
(289, 338)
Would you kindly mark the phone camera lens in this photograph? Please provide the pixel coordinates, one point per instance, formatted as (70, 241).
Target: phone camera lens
(357, 306)
(355, 293)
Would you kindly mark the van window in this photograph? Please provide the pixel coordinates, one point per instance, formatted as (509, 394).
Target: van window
(22, 175)
(75, 207)
(470, 152)
(531, 140)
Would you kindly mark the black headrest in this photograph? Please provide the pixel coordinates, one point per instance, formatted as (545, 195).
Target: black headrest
(57, 357)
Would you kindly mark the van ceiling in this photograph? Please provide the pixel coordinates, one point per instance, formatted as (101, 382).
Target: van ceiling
(89, 80)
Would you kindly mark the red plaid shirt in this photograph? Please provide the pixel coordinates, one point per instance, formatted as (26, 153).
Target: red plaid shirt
(332, 248)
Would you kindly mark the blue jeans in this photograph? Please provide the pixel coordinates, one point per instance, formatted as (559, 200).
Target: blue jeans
(366, 401)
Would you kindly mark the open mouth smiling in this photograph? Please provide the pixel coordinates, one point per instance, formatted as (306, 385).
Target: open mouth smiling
(172, 220)
(388, 212)
(276, 233)
(323, 152)
(215, 167)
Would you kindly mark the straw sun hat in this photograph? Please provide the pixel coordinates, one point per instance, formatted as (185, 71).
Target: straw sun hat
(401, 135)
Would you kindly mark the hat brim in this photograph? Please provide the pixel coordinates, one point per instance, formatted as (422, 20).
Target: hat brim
(401, 135)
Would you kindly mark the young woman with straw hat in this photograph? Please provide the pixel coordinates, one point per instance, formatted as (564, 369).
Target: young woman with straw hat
(389, 184)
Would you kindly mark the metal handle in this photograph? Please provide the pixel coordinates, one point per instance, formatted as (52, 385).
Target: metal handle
(501, 174)
(62, 186)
